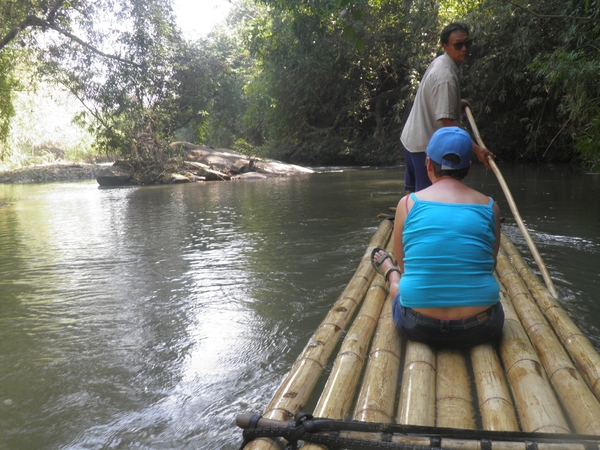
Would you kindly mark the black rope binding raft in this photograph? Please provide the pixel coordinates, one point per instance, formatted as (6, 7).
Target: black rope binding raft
(326, 432)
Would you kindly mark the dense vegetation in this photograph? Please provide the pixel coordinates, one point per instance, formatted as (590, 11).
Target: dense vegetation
(306, 81)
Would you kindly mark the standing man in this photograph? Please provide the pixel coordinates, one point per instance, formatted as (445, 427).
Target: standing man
(437, 104)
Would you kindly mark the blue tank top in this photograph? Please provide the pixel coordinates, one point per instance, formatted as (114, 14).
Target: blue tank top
(449, 255)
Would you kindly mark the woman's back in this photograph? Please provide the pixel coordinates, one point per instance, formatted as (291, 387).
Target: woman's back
(448, 254)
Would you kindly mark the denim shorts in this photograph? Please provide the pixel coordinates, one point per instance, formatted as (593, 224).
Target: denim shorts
(483, 327)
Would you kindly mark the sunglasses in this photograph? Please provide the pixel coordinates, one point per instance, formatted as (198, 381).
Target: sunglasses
(459, 45)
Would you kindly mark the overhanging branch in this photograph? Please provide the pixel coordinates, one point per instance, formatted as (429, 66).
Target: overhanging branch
(36, 22)
(551, 16)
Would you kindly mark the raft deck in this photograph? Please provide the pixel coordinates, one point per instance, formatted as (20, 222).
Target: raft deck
(543, 377)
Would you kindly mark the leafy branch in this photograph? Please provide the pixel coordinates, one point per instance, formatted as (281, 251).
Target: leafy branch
(32, 21)
(553, 16)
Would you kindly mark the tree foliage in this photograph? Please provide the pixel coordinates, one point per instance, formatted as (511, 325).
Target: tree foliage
(311, 81)
(533, 75)
(130, 97)
(137, 80)
(318, 96)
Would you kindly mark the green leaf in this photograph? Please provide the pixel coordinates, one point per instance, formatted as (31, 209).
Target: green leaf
(360, 44)
(349, 32)
(357, 14)
(344, 2)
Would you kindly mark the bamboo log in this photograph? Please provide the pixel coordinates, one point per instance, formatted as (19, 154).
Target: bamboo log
(376, 400)
(454, 403)
(417, 397)
(577, 399)
(296, 388)
(337, 396)
(538, 408)
(583, 353)
(339, 392)
(495, 404)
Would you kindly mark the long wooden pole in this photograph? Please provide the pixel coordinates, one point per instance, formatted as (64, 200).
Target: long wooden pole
(514, 209)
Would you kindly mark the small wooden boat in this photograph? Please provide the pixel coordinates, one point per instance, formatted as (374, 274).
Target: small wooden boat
(538, 388)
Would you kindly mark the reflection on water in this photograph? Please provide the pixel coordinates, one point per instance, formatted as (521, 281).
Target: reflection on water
(150, 317)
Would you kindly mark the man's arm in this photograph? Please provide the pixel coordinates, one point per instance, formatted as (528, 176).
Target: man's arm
(399, 228)
(481, 153)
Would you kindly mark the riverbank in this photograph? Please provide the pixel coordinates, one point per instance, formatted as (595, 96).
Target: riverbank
(202, 164)
(52, 172)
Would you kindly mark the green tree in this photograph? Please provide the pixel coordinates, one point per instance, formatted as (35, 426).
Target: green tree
(311, 81)
(137, 79)
(129, 97)
(7, 86)
(315, 92)
(211, 78)
(533, 75)
(569, 77)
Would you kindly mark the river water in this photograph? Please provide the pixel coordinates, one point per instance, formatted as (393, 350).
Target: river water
(149, 317)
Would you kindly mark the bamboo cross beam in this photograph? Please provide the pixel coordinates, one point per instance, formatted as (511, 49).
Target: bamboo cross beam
(514, 209)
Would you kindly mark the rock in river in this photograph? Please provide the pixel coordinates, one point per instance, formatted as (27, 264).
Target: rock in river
(208, 164)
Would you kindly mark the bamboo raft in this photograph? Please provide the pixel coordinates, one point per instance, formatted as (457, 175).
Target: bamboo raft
(538, 388)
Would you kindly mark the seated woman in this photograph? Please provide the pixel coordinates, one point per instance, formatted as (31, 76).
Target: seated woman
(446, 239)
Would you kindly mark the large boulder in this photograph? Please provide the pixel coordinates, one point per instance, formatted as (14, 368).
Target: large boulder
(116, 175)
(208, 164)
(233, 163)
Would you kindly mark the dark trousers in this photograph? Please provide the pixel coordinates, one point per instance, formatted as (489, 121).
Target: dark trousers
(416, 177)
(483, 327)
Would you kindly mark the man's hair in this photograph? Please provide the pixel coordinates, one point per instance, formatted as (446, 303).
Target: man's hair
(458, 174)
(449, 29)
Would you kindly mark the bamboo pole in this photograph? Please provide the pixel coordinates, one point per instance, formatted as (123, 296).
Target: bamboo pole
(513, 207)
(376, 400)
(454, 403)
(296, 388)
(495, 404)
(538, 408)
(581, 350)
(417, 396)
(577, 399)
(339, 392)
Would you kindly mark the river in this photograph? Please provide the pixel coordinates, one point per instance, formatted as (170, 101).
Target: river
(149, 317)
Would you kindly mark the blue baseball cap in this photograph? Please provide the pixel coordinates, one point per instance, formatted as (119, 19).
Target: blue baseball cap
(448, 140)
